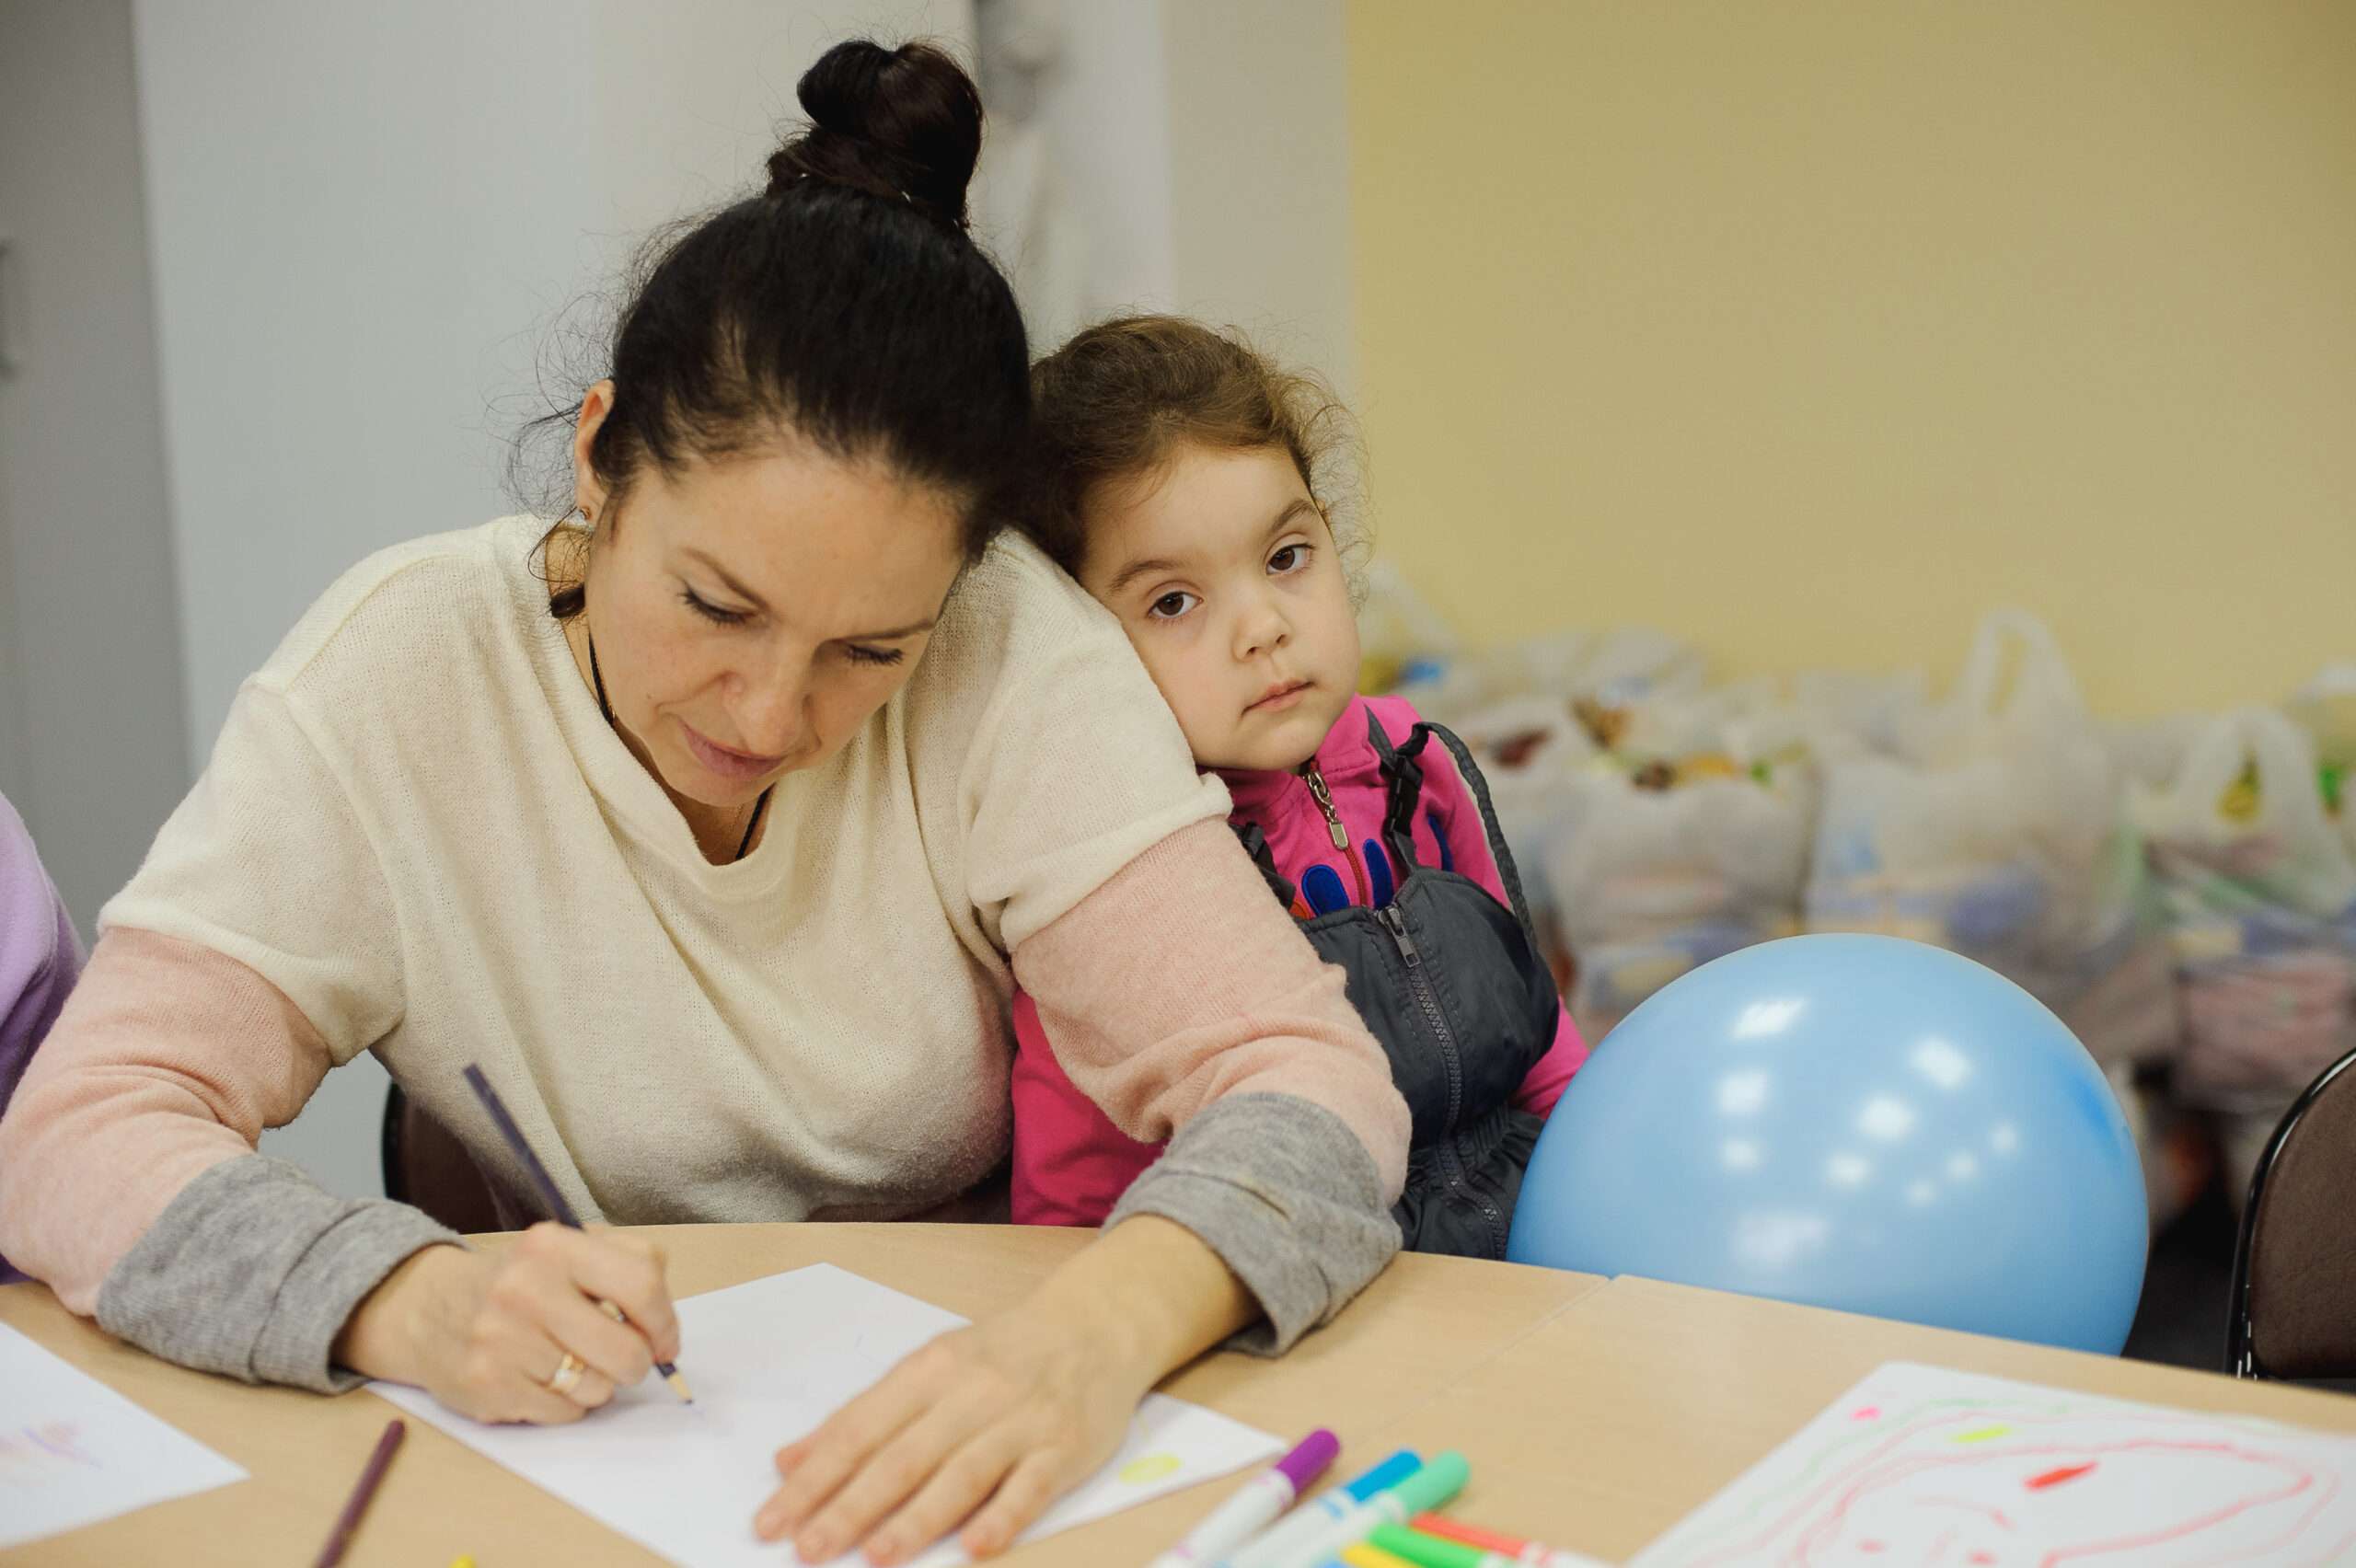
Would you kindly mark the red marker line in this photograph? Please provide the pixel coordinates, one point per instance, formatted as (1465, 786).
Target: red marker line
(2056, 1477)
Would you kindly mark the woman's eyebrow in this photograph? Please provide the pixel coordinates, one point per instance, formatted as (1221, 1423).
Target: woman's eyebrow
(894, 636)
(730, 582)
(726, 580)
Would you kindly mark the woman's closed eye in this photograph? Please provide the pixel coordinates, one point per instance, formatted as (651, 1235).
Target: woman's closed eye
(716, 614)
(881, 657)
(1171, 605)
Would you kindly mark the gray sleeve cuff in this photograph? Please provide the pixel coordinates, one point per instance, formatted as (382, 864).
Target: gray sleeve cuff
(252, 1271)
(1282, 1190)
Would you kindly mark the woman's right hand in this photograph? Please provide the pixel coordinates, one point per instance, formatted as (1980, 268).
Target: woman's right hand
(485, 1331)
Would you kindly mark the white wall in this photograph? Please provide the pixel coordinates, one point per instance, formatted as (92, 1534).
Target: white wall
(1260, 162)
(1202, 146)
(363, 215)
(367, 218)
(364, 219)
(93, 746)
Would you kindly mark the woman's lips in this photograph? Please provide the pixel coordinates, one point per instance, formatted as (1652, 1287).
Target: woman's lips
(726, 761)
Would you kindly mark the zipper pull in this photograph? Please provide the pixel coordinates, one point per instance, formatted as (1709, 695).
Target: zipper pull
(1325, 798)
(1397, 925)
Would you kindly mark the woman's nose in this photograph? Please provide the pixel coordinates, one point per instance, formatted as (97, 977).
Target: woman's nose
(770, 712)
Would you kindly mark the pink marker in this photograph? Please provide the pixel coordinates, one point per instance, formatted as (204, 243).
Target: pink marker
(1256, 1506)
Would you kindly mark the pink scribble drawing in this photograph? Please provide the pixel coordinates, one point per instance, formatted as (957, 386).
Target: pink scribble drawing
(32, 1452)
(1978, 1471)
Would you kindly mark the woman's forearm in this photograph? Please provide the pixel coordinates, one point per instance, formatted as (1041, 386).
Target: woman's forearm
(132, 1184)
(1182, 1000)
(1181, 984)
(168, 1060)
(1153, 1287)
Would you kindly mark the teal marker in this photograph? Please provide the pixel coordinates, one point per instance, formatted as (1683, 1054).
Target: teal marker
(1428, 1487)
(1279, 1539)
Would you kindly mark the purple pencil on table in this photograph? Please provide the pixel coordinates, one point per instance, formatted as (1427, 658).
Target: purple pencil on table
(371, 1476)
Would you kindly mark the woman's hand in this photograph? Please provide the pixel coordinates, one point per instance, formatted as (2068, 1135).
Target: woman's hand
(1016, 1410)
(486, 1333)
(1009, 1414)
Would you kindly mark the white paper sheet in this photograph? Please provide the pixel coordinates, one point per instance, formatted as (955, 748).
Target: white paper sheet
(73, 1451)
(769, 1360)
(1918, 1464)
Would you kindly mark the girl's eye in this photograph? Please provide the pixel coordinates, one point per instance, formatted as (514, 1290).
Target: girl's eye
(711, 611)
(1169, 606)
(1290, 559)
(885, 657)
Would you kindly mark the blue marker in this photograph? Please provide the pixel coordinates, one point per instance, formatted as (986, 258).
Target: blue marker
(1335, 1503)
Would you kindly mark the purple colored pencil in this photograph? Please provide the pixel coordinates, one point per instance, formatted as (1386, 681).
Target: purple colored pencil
(357, 1504)
(559, 1210)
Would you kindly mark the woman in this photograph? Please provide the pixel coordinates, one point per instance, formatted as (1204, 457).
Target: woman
(715, 828)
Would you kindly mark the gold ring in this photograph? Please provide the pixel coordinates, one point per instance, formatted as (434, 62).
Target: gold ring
(567, 1376)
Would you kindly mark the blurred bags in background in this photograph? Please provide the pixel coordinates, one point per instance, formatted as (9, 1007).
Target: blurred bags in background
(2183, 893)
(2258, 884)
(1990, 825)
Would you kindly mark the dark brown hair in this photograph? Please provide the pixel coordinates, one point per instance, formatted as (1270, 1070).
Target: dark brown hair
(846, 303)
(1119, 400)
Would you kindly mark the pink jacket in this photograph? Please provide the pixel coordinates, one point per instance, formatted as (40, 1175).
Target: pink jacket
(1071, 1164)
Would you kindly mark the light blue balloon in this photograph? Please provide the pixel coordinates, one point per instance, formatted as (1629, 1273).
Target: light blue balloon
(1857, 1122)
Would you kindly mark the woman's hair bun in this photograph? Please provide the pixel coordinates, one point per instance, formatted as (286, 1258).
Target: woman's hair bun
(903, 123)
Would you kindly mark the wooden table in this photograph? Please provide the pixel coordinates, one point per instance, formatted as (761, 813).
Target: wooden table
(1595, 1416)
(1403, 1344)
(1616, 1419)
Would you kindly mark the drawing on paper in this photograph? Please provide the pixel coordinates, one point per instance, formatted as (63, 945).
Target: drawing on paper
(31, 1454)
(73, 1451)
(1920, 1466)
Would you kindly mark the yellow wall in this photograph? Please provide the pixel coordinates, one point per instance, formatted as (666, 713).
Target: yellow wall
(1810, 330)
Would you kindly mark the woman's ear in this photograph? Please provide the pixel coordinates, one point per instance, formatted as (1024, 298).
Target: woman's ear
(588, 490)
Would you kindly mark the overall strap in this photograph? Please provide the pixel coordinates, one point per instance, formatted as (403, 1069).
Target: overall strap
(1470, 772)
(1255, 844)
(1403, 776)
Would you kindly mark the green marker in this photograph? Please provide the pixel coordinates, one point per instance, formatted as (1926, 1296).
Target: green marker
(1429, 1550)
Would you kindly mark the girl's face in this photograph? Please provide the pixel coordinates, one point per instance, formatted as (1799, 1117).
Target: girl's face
(750, 615)
(1224, 573)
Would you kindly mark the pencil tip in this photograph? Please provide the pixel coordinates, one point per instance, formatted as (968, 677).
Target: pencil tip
(680, 1386)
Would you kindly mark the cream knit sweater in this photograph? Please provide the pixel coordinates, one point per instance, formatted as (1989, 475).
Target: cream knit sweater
(416, 825)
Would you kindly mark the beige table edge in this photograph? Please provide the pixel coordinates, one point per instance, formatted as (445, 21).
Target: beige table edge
(1406, 1342)
(1595, 1416)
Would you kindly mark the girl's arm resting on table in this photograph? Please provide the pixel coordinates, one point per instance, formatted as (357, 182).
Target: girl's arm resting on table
(134, 1189)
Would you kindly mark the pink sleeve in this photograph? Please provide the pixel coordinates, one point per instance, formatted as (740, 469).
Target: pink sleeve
(1180, 982)
(1467, 839)
(1552, 1074)
(168, 1059)
(1071, 1164)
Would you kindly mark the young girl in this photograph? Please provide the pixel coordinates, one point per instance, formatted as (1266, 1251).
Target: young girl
(1176, 478)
